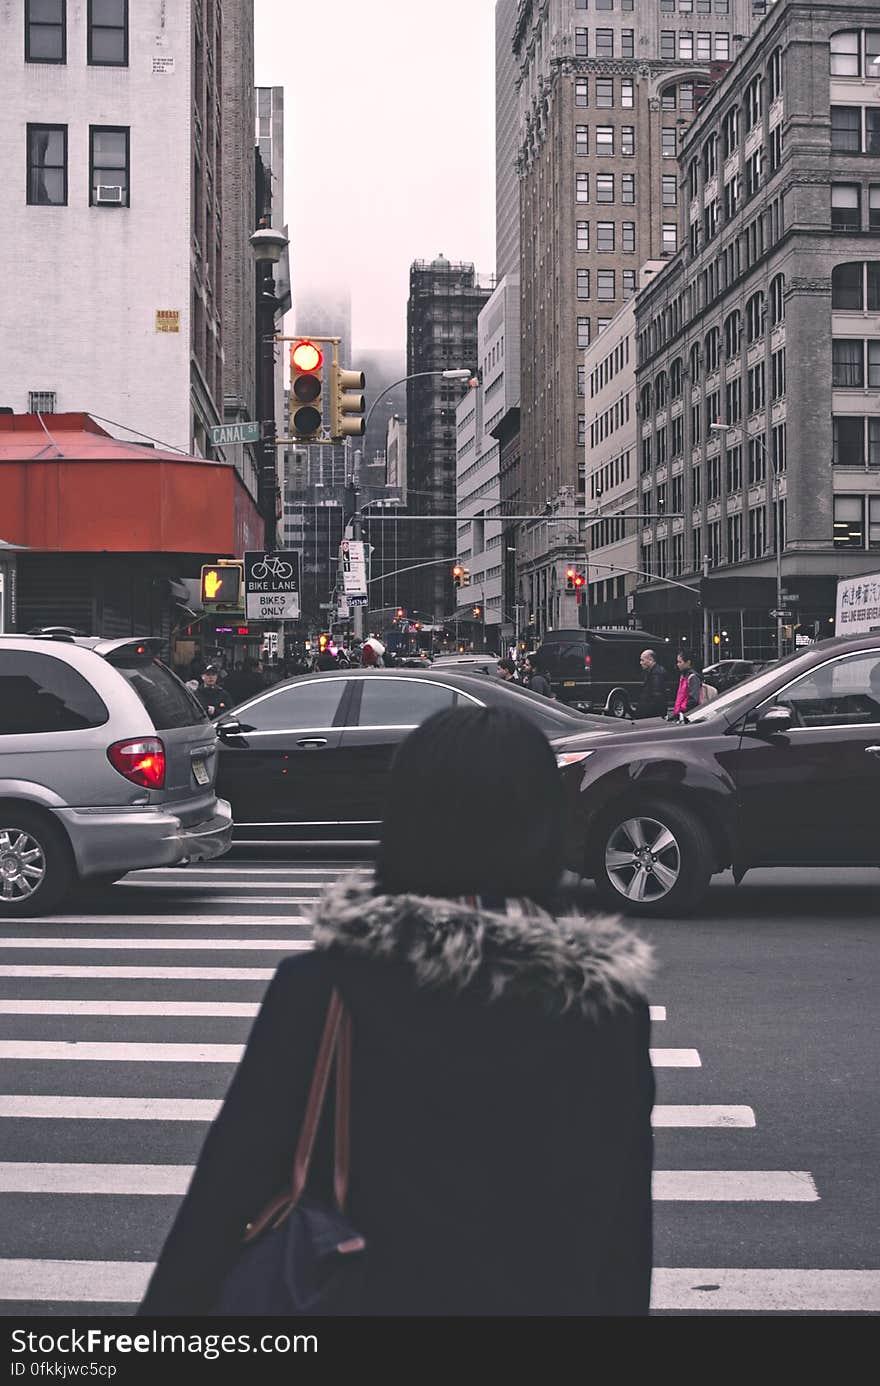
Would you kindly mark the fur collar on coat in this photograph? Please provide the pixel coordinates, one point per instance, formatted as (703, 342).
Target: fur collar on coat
(571, 961)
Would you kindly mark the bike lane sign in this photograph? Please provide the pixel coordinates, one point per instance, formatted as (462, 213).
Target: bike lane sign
(272, 585)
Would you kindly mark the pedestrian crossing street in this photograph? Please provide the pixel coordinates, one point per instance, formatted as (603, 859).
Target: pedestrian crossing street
(120, 1025)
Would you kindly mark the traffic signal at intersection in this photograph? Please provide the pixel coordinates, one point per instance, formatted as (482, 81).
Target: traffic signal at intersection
(306, 389)
(575, 582)
(347, 404)
(461, 577)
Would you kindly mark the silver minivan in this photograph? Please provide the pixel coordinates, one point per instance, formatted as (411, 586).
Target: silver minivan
(107, 765)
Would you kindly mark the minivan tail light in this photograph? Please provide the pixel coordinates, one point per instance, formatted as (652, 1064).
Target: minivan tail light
(587, 661)
(142, 762)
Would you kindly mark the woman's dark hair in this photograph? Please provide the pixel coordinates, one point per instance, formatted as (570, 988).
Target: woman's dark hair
(686, 656)
(474, 807)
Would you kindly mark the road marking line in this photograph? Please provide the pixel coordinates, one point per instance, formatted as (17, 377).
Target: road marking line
(657, 1012)
(114, 919)
(109, 1108)
(164, 1053)
(207, 898)
(156, 1008)
(292, 871)
(221, 885)
(702, 1115)
(169, 974)
(161, 945)
(768, 1291)
(734, 1186)
(675, 1058)
(772, 1291)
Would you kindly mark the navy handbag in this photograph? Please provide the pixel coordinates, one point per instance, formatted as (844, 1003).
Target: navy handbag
(302, 1258)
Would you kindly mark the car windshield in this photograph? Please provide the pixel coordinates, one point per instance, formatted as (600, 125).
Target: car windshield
(756, 685)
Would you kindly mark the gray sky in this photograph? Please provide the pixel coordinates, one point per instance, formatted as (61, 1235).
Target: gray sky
(407, 89)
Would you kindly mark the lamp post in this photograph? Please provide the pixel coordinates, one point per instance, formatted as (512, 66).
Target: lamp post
(777, 523)
(455, 373)
(267, 246)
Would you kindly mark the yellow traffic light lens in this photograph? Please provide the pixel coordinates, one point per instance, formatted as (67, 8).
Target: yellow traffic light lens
(305, 356)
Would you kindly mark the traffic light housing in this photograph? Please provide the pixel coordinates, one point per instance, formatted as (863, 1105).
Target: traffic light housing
(465, 577)
(400, 613)
(457, 574)
(306, 389)
(569, 579)
(347, 404)
(579, 583)
(221, 584)
(478, 611)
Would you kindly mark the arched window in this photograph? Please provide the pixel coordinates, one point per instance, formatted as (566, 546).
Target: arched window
(777, 300)
(754, 102)
(675, 379)
(696, 362)
(774, 75)
(693, 178)
(661, 390)
(713, 350)
(856, 286)
(845, 54)
(756, 317)
(645, 402)
(733, 334)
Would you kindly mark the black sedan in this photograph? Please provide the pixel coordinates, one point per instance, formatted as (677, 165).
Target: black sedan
(307, 760)
(782, 770)
(727, 673)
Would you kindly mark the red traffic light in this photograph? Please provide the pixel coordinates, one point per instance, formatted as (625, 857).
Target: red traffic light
(457, 570)
(400, 613)
(306, 356)
(579, 580)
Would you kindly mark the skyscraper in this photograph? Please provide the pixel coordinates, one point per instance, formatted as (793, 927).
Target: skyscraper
(506, 109)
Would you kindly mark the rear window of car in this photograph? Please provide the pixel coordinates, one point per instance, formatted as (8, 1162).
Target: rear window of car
(168, 702)
(40, 693)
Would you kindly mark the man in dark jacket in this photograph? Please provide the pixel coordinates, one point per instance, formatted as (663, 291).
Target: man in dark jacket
(213, 698)
(534, 680)
(653, 698)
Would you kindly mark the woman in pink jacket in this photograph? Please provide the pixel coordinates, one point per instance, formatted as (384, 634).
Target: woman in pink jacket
(689, 686)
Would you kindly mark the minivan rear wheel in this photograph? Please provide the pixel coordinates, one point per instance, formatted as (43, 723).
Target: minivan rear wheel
(618, 705)
(36, 869)
(653, 859)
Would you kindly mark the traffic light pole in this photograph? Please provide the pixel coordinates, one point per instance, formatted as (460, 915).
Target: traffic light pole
(268, 442)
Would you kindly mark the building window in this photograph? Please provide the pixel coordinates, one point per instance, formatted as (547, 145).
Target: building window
(712, 350)
(704, 47)
(721, 52)
(731, 198)
(677, 439)
(874, 442)
(774, 75)
(108, 33)
(605, 237)
(582, 187)
(670, 190)
(733, 400)
(846, 54)
(846, 207)
(756, 388)
(668, 143)
(604, 43)
(874, 365)
(849, 522)
(627, 43)
(628, 237)
(582, 431)
(109, 165)
(734, 538)
(849, 441)
(874, 207)
(846, 129)
(753, 104)
(605, 290)
(734, 470)
(581, 382)
(756, 315)
(583, 333)
(47, 165)
(670, 238)
(627, 93)
(581, 47)
(41, 401)
(757, 533)
(581, 92)
(757, 460)
(697, 485)
(581, 140)
(604, 187)
(847, 364)
(583, 236)
(605, 140)
(667, 44)
(754, 169)
(710, 157)
(627, 139)
(777, 372)
(45, 31)
(776, 146)
(730, 132)
(629, 284)
(628, 189)
(604, 92)
(777, 299)
(685, 45)
(583, 283)
(604, 5)
(713, 408)
(713, 478)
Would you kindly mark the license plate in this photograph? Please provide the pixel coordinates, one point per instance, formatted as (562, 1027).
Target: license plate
(568, 683)
(200, 770)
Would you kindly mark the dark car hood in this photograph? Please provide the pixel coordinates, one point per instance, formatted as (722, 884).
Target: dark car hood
(627, 733)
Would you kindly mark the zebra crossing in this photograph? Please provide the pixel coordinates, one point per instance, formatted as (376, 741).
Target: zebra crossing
(114, 1057)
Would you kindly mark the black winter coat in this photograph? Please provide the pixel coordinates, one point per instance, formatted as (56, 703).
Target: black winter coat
(501, 1112)
(653, 699)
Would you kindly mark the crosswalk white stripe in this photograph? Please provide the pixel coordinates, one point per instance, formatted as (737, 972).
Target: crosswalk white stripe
(734, 1185)
(107, 1052)
(767, 1291)
(198, 1109)
(693, 1185)
(728, 1290)
(292, 871)
(657, 1012)
(154, 1008)
(675, 1058)
(160, 945)
(120, 920)
(152, 974)
(702, 1115)
(155, 886)
(208, 898)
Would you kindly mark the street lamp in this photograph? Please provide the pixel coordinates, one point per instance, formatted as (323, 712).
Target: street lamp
(267, 245)
(454, 373)
(777, 523)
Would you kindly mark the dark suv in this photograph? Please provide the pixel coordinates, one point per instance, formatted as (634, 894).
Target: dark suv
(599, 669)
(782, 770)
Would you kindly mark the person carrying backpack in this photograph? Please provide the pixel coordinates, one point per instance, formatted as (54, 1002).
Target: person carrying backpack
(690, 686)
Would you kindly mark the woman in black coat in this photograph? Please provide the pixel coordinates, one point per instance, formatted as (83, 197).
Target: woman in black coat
(501, 1145)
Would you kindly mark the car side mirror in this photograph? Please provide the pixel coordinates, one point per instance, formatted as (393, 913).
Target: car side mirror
(774, 722)
(230, 727)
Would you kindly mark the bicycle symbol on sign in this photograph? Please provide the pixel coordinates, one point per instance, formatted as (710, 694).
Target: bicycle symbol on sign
(271, 567)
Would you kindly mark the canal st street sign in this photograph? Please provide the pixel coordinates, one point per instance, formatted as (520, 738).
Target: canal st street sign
(234, 433)
(272, 585)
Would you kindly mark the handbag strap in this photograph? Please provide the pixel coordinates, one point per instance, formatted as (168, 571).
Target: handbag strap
(335, 1040)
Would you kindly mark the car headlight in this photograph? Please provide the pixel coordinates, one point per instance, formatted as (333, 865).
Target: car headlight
(572, 757)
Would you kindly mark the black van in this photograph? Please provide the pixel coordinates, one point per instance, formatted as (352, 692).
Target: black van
(599, 670)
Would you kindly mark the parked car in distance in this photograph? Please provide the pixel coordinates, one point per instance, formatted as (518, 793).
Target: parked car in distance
(308, 760)
(599, 670)
(487, 663)
(781, 770)
(727, 673)
(107, 764)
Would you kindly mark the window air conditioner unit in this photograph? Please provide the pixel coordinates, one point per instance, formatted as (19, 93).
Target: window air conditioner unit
(105, 193)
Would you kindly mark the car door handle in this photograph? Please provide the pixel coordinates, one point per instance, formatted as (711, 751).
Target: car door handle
(872, 750)
(313, 741)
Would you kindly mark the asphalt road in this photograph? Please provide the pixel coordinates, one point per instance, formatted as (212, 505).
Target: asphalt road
(121, 1022)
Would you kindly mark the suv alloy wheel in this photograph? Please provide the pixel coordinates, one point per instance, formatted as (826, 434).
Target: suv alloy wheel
(652, 859)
